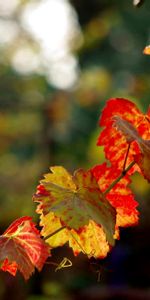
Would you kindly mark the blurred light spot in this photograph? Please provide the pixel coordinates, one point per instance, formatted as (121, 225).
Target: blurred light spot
(7, 7)
(50, 22)
(25, 60)
(8, 31)
(53, 23)
(63, 73)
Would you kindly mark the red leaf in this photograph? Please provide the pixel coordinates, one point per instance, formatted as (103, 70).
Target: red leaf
(120, 196)
(22, 248)
(114, 142)
(131, 134)
(9, 267)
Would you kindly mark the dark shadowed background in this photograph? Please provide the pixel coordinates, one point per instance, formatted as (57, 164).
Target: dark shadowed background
(59, 62)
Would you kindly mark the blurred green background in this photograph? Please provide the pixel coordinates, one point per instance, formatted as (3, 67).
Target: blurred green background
(59, 62)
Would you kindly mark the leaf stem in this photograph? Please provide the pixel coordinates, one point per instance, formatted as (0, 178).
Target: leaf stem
(53, 233)
(123, 173)
(125, 161)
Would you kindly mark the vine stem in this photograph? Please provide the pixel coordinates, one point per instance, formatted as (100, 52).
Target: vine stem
(53, 233)
(124, 172)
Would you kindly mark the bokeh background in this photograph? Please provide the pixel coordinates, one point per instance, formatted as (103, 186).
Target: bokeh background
(60, 61)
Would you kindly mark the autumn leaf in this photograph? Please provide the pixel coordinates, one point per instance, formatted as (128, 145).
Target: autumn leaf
(120, 196)
(131, 134)
(50, 223)
(9, 267)
(75, 200)
(113, 140)
(90, 239)
(22, 248)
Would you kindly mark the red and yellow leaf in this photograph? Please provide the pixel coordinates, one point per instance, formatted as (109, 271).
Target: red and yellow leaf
(114, 142)
(90, 240)
(120, 196)
(22, 248)
(50, 223)
(131, 134)
(75, 200)
(9, 267)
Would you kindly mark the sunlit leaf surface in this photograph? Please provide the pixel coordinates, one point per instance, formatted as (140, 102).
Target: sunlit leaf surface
(21, 248)
(131, 134)
(75, 200)
(113, 140)
(120, 196)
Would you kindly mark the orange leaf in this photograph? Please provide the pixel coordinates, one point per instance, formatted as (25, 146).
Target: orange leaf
(22, 248)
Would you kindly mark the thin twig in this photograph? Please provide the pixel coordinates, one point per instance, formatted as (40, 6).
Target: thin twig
(51, 263)
(53, 233)
(123, 173)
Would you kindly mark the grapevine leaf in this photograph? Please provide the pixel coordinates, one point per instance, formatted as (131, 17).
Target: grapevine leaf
(127, 129)
(131, 134)
(50, 223)
(120, 196)
(91, 239)
(22, 248)
(75, 200)
(114, 142)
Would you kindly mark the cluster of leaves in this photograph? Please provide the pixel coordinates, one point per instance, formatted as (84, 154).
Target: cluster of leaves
(85, 209)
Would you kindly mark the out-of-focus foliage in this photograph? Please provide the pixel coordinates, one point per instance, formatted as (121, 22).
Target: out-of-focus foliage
(41, 125)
